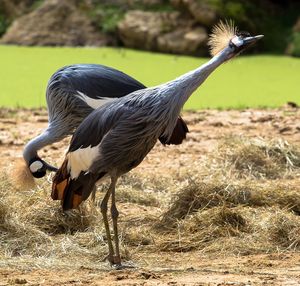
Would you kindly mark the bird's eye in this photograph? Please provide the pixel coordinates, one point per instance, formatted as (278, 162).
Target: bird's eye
(243, 34)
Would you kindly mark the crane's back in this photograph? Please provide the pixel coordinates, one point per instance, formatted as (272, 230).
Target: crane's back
(94, 83)
(125, 130)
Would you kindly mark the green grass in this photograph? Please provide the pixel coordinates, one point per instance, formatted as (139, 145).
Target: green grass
(247, 81)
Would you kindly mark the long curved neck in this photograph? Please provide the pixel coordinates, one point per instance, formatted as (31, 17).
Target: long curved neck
(186, 84)
(37, 143)
(177, 92)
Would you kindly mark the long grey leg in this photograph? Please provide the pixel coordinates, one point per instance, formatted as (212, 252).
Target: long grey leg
(115, 215)
(103, 208)
(93, 196)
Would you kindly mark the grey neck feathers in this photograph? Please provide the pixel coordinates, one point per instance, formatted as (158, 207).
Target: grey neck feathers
(178, 91)
(185, 85)
(46, 138)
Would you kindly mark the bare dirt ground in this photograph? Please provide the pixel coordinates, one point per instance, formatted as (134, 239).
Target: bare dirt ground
(158, 266)
(191, 269)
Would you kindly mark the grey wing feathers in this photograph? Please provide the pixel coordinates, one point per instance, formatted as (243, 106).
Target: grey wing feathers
(91, 131)
(94, 80)
(124, 147)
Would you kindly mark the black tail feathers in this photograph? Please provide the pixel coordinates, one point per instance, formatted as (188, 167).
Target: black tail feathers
(72, 192)
(178, 135)
(78, 190)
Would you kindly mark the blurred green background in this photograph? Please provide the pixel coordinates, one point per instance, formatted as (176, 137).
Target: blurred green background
(153, 41)
(247, 81)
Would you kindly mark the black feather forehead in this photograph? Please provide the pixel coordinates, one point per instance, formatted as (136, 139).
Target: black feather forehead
(221, 34)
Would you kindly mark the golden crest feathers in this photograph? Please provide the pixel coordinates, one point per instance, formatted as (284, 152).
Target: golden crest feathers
(221, 34)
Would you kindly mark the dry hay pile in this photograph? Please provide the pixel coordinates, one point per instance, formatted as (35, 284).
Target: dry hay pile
(256, 158)
(33, 225)
(249, 202)
(242, 218)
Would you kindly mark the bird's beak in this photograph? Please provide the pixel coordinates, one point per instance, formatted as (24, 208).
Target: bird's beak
(251, 40)
(50, 168)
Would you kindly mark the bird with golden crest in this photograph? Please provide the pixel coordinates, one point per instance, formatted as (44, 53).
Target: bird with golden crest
(223, 34)
(226, 32)
(116, 137)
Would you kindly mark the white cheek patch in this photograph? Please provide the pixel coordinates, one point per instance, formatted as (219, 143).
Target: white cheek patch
(35, 166)
(237, 41)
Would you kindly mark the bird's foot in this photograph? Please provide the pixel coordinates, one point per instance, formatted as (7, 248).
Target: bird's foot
(122, 266)
(113, 259)
(116, 260)
(116, 263)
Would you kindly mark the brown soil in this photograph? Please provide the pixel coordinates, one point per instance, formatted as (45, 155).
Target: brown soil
(207, 129)
(180, 269)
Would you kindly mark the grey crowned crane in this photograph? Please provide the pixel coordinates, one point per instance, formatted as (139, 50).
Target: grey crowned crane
(73, 92)
(115, 138)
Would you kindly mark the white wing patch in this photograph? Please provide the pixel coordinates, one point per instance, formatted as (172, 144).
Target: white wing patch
(92, 102)
(81, 160)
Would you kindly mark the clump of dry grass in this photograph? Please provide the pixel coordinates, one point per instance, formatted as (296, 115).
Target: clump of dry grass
(235, 218)
(32, 224)
(282, 194)
(129, 195)
(257, 158)
(138, 189)
(49, 217)
(200, 196)
(17, 237)
(285, 230)
(229, 217)
(138, 236)
(203, 228)
(144, 183)
(239, 230)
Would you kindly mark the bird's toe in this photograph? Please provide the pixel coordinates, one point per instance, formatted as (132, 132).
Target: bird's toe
(122, 266)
